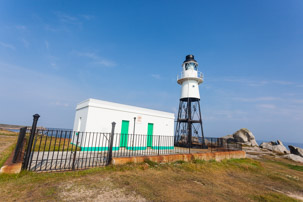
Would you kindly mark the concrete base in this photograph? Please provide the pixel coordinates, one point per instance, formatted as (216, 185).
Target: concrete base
(218, 156)
(11, 168)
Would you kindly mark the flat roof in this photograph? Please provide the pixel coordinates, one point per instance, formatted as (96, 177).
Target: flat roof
(122, 107)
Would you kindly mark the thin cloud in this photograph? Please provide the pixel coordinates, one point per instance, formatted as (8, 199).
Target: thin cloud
(54, 65)
(96, 59)
(41, 93)
(60, 104)
(156, 76)
(21, 27)
(88, 17)
(283, 82)
(266, 106)
(257, 99)
(226, 114)
(51, 28)
(298, 101)
(25, 43)
(46, 44)
(247, 81)
(105, 62)
(68, 19)
(258, 83)
(6, 45)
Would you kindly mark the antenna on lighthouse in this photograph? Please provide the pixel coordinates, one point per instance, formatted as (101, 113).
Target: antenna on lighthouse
(189, 128)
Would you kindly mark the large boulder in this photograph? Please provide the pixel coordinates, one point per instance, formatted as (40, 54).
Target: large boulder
(295, 150)
(276, 147)
(294, 157)
(243, 136)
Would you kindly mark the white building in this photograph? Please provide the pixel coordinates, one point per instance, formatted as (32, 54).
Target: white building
(94, 117)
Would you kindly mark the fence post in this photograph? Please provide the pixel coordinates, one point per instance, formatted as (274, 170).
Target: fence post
(19, 145)
(74, 159)
(159, 145)
(211, 148)
(110, 146)
(132, 149)
(30, 141)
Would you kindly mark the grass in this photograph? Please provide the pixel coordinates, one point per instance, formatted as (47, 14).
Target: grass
(235, 180)
(291, 166)
(232, 180)
(48, 143)
(7, 146)
(7, 133)
(273, 197)
(4, 155)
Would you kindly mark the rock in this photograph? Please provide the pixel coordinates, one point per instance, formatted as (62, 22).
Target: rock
(294, 157)
(295, 150)
(183, 140)
(243, 136)
(277, 147)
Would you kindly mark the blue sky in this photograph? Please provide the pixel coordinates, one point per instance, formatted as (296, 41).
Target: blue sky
(54, 54)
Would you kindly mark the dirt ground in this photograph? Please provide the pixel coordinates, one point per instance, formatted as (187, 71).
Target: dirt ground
(264, 178)
(6, 142)
(231, 180)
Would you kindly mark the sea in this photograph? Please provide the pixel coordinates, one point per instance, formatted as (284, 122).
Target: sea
(296, 144)
(14, 130)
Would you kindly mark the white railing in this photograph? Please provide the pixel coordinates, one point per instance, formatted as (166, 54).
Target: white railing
(190, 75)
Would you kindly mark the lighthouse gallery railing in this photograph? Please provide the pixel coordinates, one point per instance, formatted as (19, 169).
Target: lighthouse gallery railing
(182, 75)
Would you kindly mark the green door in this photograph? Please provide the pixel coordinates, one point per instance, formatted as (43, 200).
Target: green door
(124, 134)
(150, 129)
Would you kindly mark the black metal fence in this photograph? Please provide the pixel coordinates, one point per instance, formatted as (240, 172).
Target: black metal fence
(64, 149)
(55, 150)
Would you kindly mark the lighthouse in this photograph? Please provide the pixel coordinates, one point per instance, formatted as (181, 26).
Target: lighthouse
(189, 128)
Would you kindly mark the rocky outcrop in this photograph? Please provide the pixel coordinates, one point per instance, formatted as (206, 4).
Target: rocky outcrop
(294, 157)
(277, 147)
(295, 150)
(243, 136)
(183, 140)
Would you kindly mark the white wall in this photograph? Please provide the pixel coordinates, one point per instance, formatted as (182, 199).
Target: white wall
(190, 89)
(83, 114)
(97, 116)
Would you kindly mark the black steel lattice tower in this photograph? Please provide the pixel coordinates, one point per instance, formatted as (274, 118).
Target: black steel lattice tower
(189, 128)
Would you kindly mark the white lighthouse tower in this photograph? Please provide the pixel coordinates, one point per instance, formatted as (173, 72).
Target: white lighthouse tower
(189, 129)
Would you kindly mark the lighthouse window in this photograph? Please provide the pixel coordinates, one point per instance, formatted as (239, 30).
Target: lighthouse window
(191, 65)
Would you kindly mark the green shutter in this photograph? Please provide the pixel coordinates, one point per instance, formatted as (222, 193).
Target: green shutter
(124, 134)
(150, 129)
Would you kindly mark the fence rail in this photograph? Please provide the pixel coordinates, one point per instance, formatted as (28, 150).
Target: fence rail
(55, 150)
